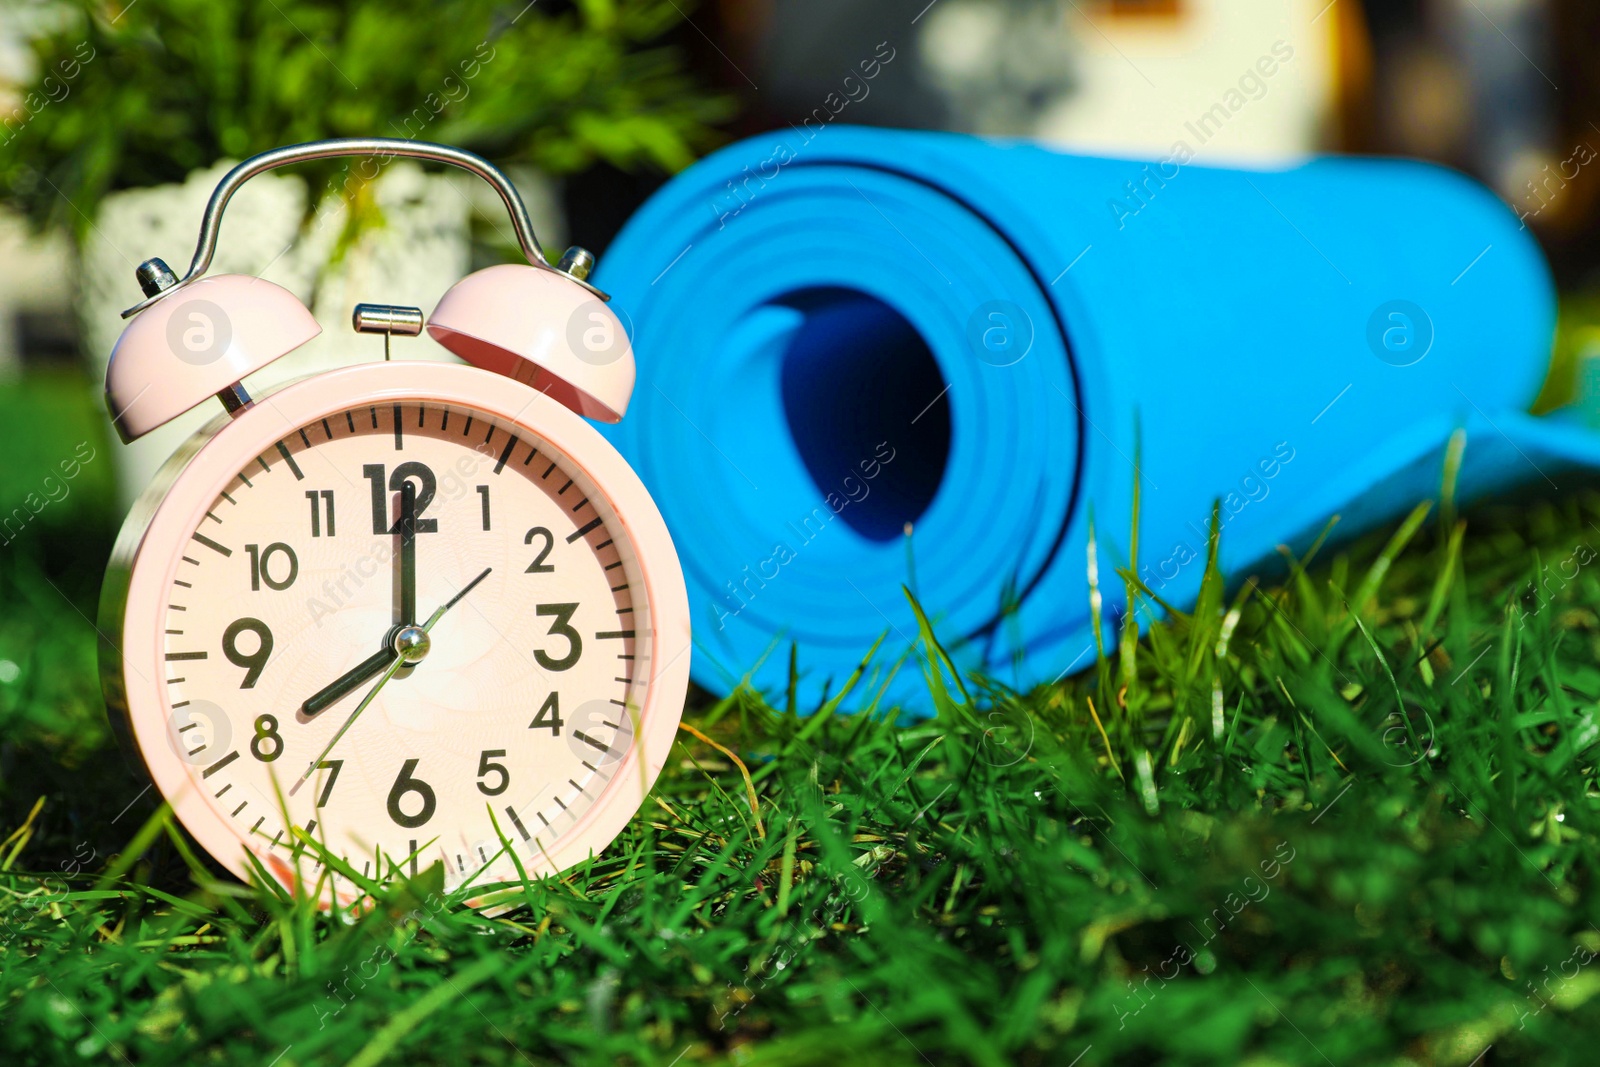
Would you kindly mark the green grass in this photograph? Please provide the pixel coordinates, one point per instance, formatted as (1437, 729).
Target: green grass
(1345, 814)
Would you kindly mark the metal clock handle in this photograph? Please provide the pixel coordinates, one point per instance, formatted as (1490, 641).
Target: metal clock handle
(158, 281)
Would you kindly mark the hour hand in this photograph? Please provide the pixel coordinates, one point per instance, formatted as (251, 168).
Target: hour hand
(332, 693)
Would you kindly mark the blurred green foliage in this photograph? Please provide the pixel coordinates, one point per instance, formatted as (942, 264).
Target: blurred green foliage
(1572, 364)
(57, 518)
(57, 460)
(139, 94)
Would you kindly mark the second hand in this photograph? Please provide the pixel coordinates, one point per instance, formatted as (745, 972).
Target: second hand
(411, 644)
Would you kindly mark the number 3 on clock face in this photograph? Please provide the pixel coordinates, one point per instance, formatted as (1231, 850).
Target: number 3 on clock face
(259, 614)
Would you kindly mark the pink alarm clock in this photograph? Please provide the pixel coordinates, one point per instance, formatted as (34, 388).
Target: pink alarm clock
(417, 612)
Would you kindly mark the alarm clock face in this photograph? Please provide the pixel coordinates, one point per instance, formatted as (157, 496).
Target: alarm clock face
(417, 612)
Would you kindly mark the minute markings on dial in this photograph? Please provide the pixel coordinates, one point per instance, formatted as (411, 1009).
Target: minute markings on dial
(213, 545)
(585, 529)
(283, 450)
(501, 464)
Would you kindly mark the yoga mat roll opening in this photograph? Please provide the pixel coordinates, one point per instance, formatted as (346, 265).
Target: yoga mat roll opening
(841, 336)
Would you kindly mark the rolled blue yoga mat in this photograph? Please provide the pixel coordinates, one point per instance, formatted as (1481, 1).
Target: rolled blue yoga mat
(841, 335)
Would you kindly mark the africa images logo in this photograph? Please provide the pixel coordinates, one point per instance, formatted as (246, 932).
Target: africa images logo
(1400, 333)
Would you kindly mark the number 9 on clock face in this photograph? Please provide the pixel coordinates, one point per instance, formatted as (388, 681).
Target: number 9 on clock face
(440, 625)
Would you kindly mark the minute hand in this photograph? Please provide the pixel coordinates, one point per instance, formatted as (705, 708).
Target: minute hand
(407, 607)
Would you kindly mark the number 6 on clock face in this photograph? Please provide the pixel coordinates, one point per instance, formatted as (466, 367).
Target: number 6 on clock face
(480, 562)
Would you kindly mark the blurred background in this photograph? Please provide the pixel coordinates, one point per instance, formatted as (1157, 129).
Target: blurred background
(118, 117)
(107, 110)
